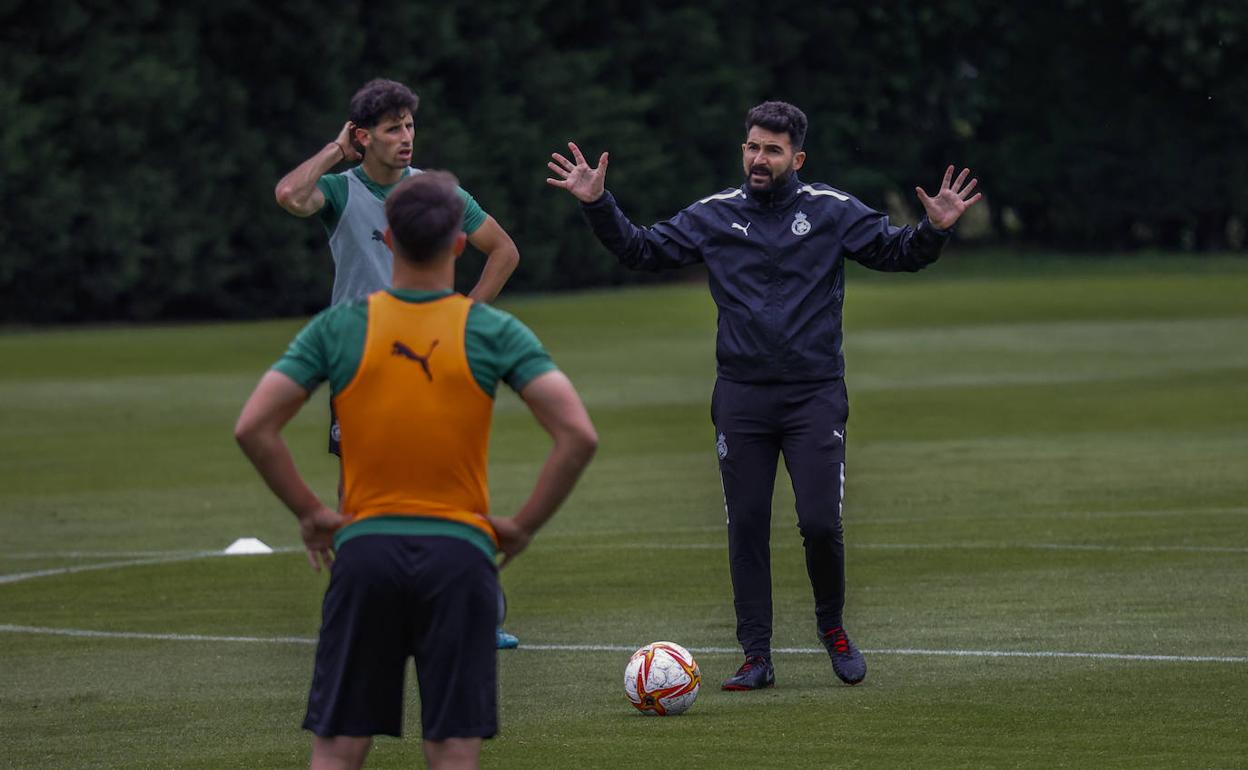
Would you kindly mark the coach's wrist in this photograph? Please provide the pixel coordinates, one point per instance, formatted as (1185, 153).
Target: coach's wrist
(935, 228)
(594, 202)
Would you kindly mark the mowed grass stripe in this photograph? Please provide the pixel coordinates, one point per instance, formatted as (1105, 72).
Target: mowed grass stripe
(1084, 407)
(145, 558)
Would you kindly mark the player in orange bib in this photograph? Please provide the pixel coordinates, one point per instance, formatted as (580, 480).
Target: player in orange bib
(351, 206)
(412, 372)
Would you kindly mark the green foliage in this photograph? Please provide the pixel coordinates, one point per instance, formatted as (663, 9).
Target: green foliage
(141, 146)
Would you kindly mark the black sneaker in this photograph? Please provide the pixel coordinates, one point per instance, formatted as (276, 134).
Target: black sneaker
(847, 662)
(755, 674)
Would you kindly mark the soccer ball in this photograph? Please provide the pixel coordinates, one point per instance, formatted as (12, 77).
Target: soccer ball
(662, 678)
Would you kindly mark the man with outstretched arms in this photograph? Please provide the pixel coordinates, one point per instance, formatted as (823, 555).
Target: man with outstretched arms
(774, 249)
(412, 372)
(351, 206)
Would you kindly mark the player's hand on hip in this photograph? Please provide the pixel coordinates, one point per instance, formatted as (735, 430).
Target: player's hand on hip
(576, 176)
(512, 538)
(349, 153)
(954, 197)
(317, 529)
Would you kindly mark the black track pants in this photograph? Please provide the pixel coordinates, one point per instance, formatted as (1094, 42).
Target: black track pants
(754, 425)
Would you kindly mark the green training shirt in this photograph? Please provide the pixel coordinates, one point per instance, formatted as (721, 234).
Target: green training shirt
(334, 188)
(499, 347)
(354, 216)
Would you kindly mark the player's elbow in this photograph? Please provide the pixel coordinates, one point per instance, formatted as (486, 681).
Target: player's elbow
(245, 432)
(288, 198)
(503, 258)
(509, 256)
(282, 193)
(582, 442)
(249, 432)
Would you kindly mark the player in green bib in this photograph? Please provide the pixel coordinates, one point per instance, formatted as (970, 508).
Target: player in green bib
(351, 205)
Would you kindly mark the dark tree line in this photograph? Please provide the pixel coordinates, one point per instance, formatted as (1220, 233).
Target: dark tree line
(140, 146)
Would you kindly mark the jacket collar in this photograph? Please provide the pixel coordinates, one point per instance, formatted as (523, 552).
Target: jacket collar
(776, 197)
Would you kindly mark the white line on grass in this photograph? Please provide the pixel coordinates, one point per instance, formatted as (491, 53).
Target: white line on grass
(85, 633)
(1031, 517)
(638, 545)
(1054, 654)
(644, 546)
(132, 554)
(915, 651)
(88, 634)
(1055, 547)
(18, 577)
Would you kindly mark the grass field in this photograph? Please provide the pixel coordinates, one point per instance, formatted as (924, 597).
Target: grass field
(1047, 517)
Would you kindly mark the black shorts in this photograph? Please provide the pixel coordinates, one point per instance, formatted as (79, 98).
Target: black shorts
(392, 597)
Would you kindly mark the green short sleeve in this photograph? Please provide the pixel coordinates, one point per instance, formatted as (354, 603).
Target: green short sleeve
(306, 360)
(474, 215)
(329, 347)
(502, 349)
(526, 358)
(334, 188)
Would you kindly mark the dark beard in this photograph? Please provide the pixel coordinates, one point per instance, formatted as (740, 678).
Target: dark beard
(765, 194)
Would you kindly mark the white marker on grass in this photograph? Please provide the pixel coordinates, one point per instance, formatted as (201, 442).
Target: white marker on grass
(246, 546)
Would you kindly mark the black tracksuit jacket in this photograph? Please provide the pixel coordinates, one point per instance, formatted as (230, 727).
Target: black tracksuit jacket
(777, 268)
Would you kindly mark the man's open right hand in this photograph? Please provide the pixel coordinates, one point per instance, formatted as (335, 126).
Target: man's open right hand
(575, 176)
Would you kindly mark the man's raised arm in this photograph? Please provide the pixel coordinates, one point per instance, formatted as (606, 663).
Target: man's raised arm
(297, 192)
(663, 246)
(873, 243)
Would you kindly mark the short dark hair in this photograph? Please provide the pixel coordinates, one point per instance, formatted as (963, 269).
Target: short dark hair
(780, 117)
(378, 99)
(425, 212)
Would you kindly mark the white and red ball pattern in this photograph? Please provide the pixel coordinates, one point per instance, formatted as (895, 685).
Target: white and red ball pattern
(662, 678)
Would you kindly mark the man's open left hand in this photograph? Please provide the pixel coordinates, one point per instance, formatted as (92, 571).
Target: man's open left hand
(946, 206)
